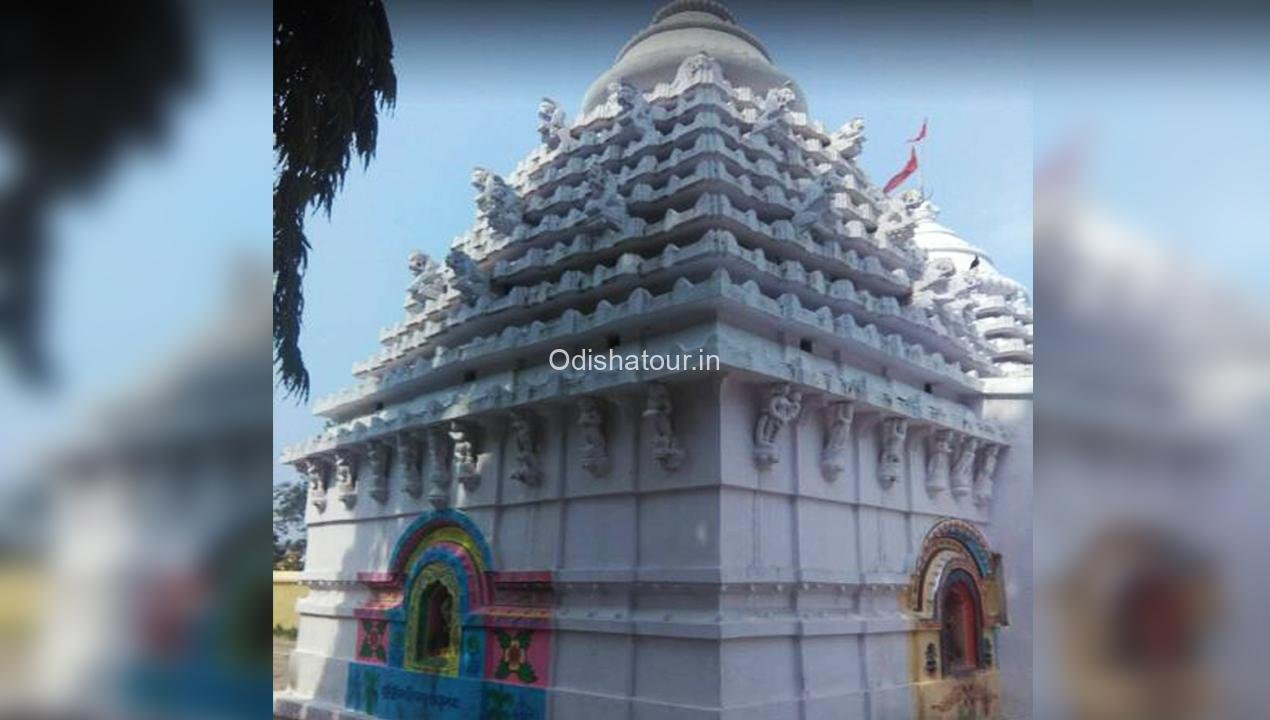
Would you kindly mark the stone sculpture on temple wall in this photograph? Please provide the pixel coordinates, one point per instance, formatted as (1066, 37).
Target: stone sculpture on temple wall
(783, 404)
(314, 470)
(964, 468)
(497, 202)
(817, 201)
(595, 453)
(409, 460)
(438, 468)
(771, 120)
(377, 456)
(551, 123)
(346, 476)
(524, 449)
(659, 411)
(429, 277)
(849, 138)
(467, 278)
(836, 453)
(941, 284)
(984, 483)
(896, 220)
(698, 68)
(604, 198)
(891, 459)
(463, 438)
(938, 463)
(635, 109)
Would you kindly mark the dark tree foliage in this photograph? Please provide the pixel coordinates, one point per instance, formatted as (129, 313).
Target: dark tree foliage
(288, 524)
(332, 71)
(79, 83)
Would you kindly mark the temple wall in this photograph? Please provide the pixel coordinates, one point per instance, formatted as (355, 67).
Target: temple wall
(717, 585)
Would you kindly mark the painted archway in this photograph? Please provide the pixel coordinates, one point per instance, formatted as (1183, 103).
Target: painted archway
(956, 598)
(444, 635)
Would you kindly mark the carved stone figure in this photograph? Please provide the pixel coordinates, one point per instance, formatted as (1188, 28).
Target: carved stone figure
(467, 277)
(850, 136)
(984, 482)
(941, 284)
(594, 454)
(636, 110)
(497, 202)
(817, 200)
(429, 277)
(836, 452)
(604, 199)
(463, 437)
(377, 465)
(315, 471)
(938, 462)
(771, 116)
(964, 468)
(897, 218)
(408, 457)
(438, 468)
(524, 447)
(346, 476)
(697, 68)
(891, 460)
(658, 410)
(783, 405)
(551, 123)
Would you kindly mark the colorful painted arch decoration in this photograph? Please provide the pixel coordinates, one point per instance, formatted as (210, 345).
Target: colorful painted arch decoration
(497, 654)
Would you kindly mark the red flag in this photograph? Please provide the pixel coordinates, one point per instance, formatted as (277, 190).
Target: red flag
(921, 134)
(909, 168)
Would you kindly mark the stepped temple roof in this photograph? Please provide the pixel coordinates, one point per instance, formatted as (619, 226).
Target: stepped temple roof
(693, 192)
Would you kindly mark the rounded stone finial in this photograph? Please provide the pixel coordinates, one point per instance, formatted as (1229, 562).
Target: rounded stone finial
(709, 7)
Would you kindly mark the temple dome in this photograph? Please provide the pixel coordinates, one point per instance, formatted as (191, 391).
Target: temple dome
(680, 30)
(940, 242)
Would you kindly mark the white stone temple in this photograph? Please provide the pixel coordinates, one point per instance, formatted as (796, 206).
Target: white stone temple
(778, 505)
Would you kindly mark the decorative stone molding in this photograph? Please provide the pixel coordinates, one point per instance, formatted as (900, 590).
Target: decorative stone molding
(659, 411)
(783, 405)
(463, 438)
(964, 468)
(346, 476)
(315, 471)
(835, 455)
(524, 449)
(939, 462)
(891, 459)
(595, 453)
(604, 200)
(438, 468)
(377, 458)
(411, 463)
(984, 482)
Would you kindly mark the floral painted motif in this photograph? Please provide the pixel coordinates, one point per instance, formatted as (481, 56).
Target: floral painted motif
(372, 641)
(498, 704)
(515, 656)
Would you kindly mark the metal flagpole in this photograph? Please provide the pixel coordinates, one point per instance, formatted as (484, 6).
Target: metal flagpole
(921, 181)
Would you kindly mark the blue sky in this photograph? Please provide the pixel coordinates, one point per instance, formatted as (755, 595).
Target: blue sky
(471, 76)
